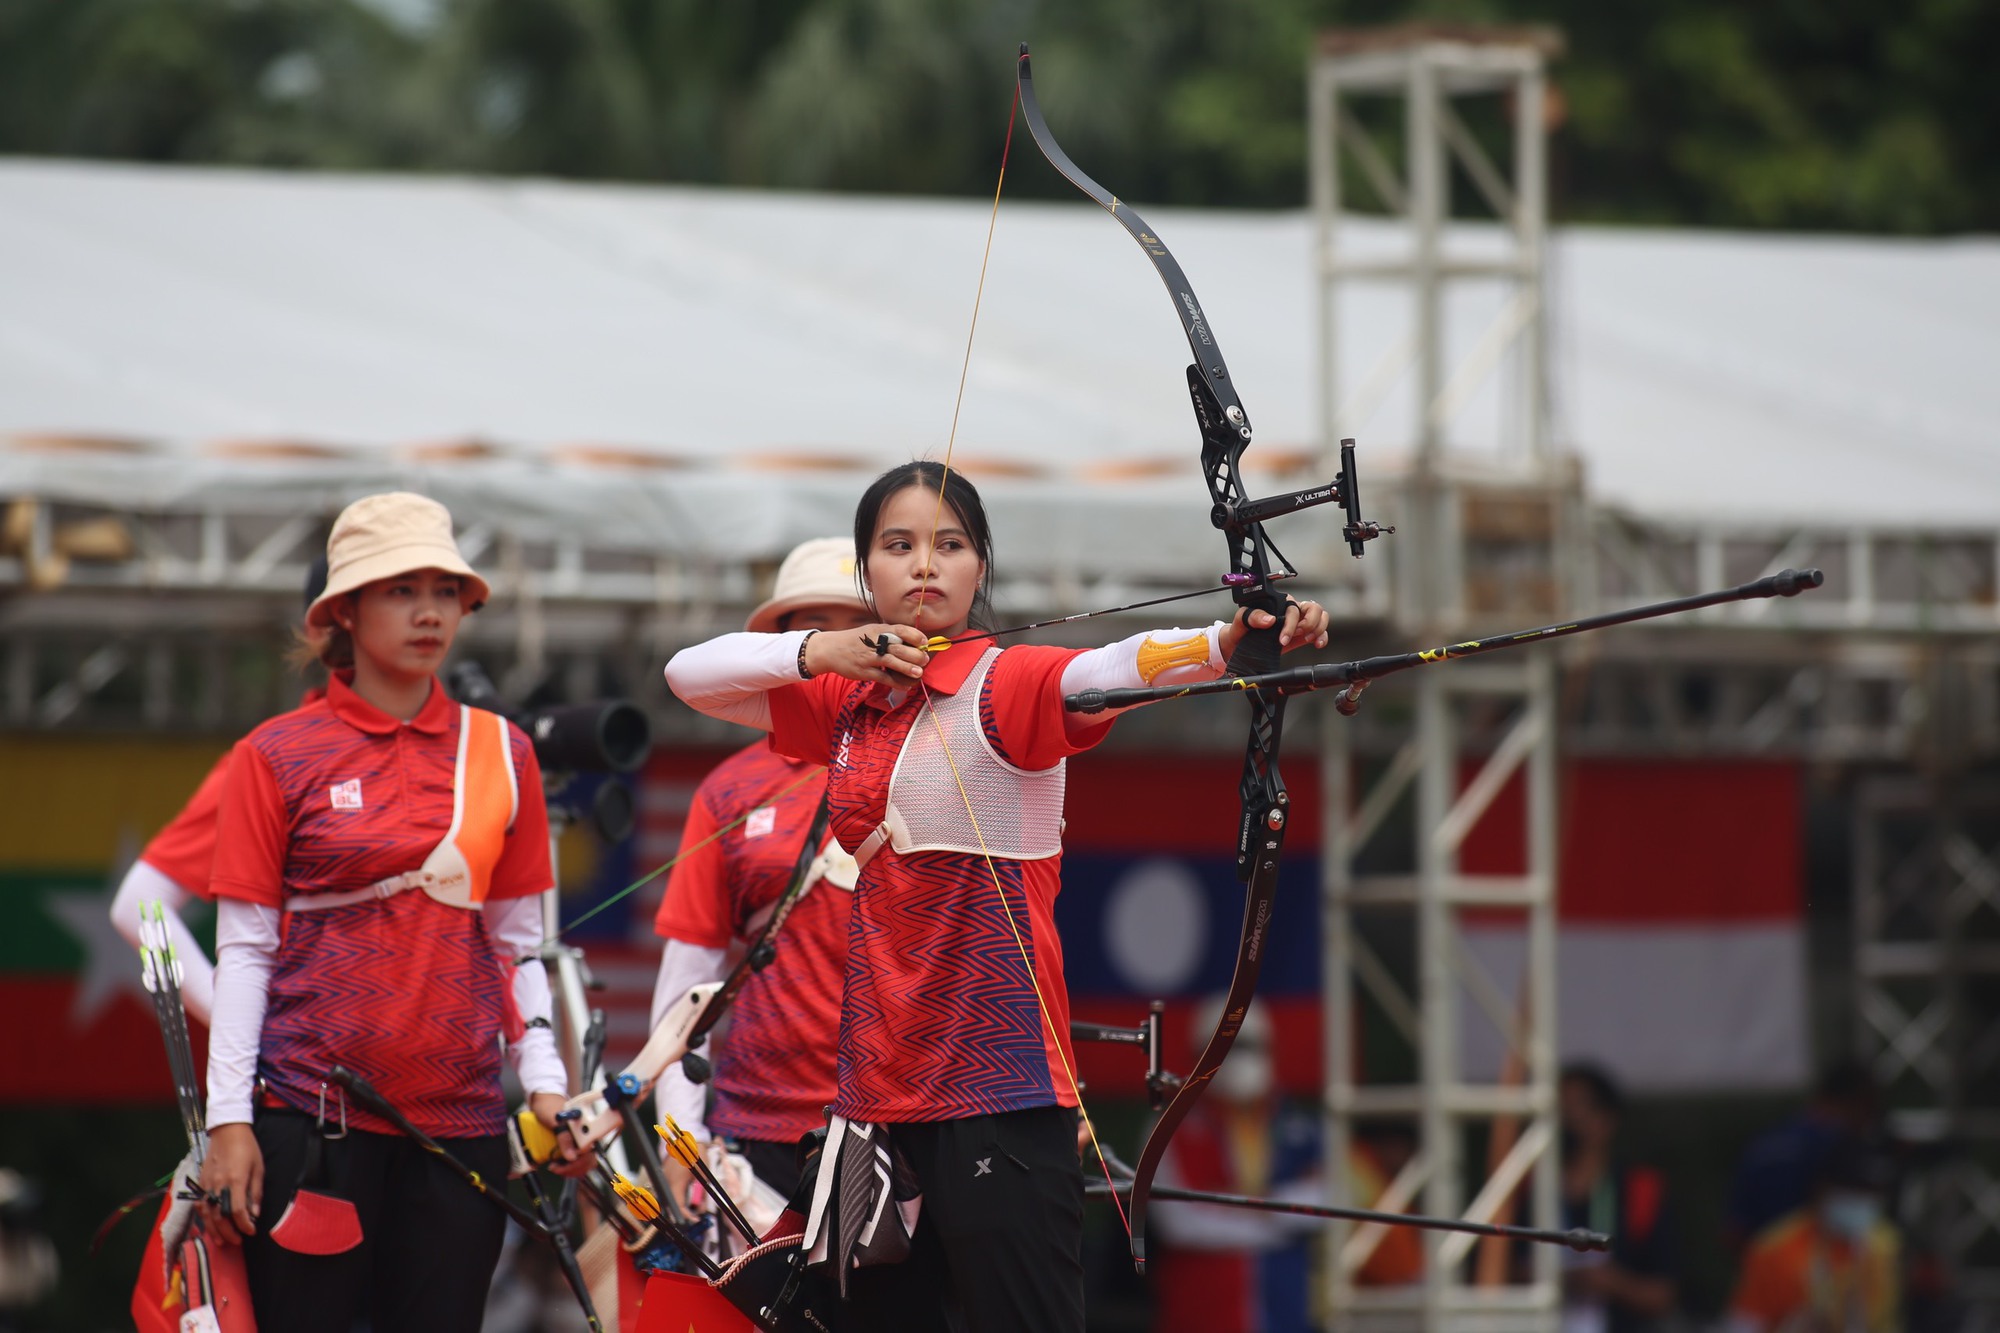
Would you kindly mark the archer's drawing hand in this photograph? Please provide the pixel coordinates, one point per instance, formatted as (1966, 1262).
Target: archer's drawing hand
(861, 654)
(1304, 627)
(234, 1171)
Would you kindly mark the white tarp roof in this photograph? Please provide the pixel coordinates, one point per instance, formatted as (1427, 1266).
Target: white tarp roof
(736, 334)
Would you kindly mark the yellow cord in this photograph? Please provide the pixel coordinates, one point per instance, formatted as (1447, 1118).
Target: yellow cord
(965, 364)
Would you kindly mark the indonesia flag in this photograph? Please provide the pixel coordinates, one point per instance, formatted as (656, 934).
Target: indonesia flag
(1681, 936)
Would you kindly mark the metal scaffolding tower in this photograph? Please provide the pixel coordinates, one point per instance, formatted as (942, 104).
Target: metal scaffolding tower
(1382, 929)
(1491, 541)
(1927, 963)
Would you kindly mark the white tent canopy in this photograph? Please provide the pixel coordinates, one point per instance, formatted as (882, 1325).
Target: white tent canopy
(676, 367)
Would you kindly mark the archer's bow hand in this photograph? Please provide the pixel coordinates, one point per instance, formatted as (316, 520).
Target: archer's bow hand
(570, 1160)
(1304, 627)
(232, 1179)
(889, 654)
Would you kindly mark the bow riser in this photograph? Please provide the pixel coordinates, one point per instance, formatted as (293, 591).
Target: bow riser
(1250, 551)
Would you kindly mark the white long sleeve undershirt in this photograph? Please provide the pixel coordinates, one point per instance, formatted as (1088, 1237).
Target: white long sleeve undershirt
(729, 676)
(1115, 666)
(515, 927)
(246, 950)
(682, 967)
(144, 883)
(246, 947)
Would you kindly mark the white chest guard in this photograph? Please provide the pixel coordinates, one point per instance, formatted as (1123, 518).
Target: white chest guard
(1018, 810)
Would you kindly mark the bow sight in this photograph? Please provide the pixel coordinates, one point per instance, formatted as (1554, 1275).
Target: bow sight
(1344, 490)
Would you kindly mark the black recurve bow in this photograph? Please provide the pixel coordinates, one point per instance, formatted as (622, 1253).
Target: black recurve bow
(1255, 565)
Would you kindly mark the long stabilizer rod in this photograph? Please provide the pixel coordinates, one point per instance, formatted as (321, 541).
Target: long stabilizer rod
(1576, 1239)
(1356, 675)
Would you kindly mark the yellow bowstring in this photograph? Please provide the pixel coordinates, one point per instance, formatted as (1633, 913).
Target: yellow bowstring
(965, 364)
(930, 706)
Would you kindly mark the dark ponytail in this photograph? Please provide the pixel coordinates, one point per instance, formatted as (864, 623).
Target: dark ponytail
(959, 496)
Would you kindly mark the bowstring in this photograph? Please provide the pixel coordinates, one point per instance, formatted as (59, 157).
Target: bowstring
(930, 704)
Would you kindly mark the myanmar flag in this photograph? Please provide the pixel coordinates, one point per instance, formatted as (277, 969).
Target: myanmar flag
(74, 812)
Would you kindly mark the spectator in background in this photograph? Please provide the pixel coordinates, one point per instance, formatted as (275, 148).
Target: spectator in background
(1776, 1174)
(1236, 1270)
(1637, 1283)
(28, 1265)
(1832, 1265)
(1233, 1270)
(1377, 1156)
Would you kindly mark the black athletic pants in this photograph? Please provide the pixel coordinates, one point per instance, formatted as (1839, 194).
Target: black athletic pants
(429, 1242)
(776, 1163)
(999, 1248)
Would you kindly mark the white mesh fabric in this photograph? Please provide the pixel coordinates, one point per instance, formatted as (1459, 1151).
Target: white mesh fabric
(1019, 810)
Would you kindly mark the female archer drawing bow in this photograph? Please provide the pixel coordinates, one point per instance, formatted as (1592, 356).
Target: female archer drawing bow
(945, 775)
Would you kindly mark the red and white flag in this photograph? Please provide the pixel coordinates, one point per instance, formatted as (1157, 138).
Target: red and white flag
(1681, 952)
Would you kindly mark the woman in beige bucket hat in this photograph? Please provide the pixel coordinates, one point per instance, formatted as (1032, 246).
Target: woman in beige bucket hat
(387, 557)
(330, 815)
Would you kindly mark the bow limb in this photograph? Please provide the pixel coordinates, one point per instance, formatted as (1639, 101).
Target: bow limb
(1201, 340)
(1254, 564)
(1260, 847)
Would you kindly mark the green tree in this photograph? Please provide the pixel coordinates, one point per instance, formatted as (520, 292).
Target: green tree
(1790, 113)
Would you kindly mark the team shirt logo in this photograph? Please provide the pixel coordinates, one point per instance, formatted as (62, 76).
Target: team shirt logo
(761, 821)
(840, 760)
(346, 795)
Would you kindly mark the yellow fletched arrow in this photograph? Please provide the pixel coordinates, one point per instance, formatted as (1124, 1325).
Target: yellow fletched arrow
(637, 1198)
(679, 1142)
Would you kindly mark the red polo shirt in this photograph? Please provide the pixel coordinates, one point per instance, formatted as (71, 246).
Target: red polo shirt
(774, 1069)
(333, 797)
(184, 851)
(940, 1019)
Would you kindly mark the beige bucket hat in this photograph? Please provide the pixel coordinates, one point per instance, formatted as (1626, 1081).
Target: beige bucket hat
(819, 572)
(381, 536)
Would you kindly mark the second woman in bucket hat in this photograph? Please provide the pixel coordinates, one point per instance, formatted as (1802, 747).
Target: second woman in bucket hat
(773, 1072)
